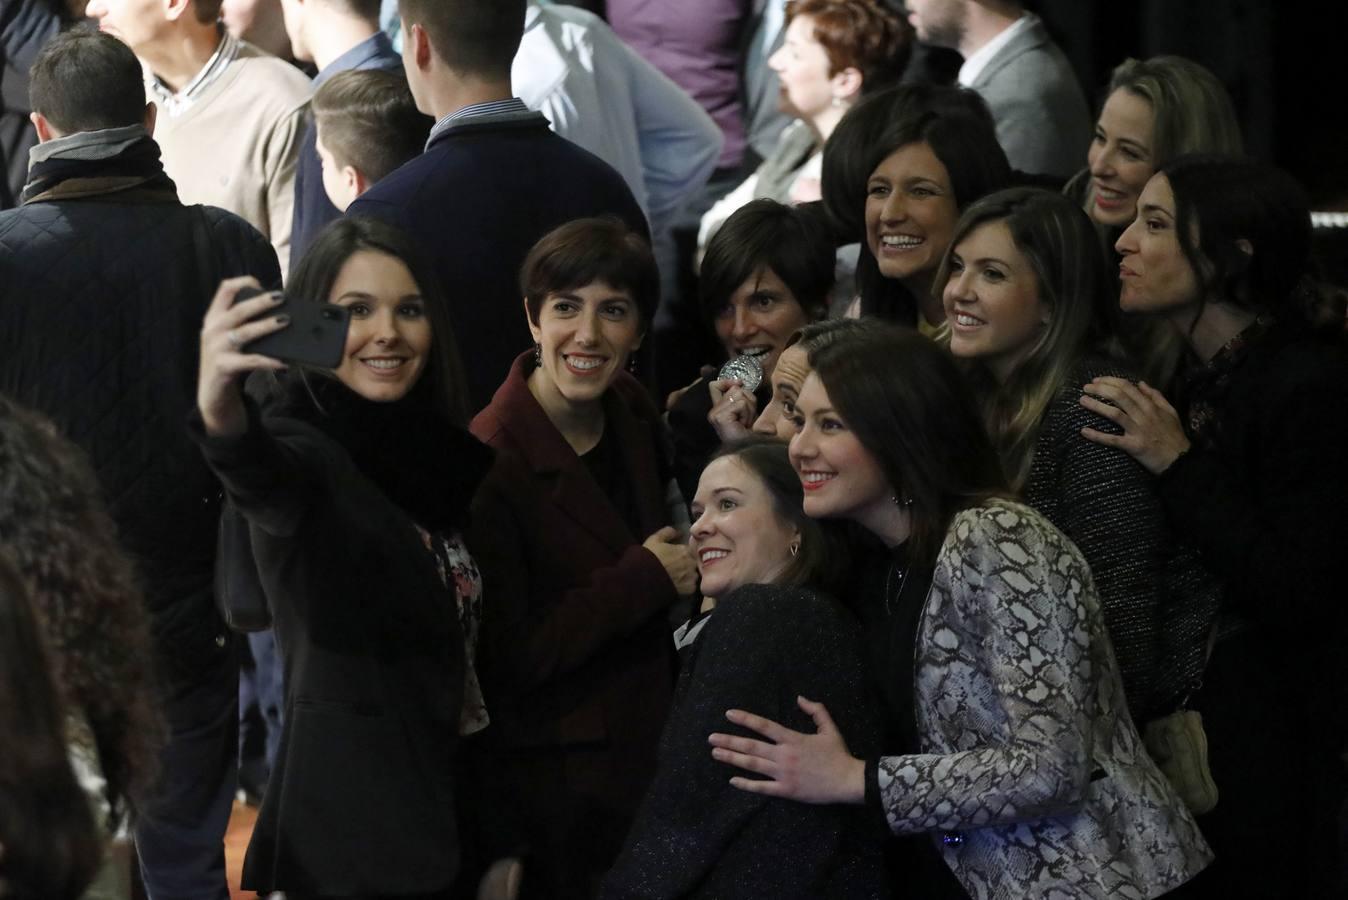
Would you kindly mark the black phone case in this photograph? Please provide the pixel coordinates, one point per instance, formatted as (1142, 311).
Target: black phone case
(316, 335)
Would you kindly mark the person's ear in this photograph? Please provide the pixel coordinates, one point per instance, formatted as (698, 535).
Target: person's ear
(151, 117)
(175, 9)
(43, 127)
(421, 47)
(533, 326)
(847, 84)
(355, 180)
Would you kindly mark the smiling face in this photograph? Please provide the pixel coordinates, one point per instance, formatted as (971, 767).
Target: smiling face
(1120, 158)
(910, 213)
(802, 66)
(841, 478)
(1155, 275)
(389, 342)
(737, 535)
(992, 300)
(585, 338)
(758, 318)
(793, 364)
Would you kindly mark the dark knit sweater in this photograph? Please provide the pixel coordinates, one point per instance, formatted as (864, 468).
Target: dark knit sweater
(1107, 504)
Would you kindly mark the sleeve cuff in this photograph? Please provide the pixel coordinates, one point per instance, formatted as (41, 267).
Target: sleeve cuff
(875, 806)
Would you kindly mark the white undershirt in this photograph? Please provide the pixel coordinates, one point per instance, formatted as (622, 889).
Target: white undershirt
(979, 59)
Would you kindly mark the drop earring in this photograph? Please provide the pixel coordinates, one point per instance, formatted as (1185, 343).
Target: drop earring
(538, 354)
(794, 547)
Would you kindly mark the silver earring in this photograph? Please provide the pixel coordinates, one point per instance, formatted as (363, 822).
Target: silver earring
(795, 549)
(901, 503)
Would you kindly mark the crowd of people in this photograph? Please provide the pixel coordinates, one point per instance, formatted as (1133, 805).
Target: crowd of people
(714, 450)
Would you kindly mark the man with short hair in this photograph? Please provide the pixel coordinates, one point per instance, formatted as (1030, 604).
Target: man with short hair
(493, 180)
(107, 276)
(230, 117)
(336, 36)
(1043, 122)
(368, 125)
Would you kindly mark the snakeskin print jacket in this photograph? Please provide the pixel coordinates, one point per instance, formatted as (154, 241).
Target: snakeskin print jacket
(1033, 779)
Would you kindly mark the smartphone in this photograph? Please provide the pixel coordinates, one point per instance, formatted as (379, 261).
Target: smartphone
(316, 335)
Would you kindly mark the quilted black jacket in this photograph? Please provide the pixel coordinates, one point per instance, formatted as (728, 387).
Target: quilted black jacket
(101, 303)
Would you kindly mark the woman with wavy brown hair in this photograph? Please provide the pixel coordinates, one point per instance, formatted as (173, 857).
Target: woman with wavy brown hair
(63, 546)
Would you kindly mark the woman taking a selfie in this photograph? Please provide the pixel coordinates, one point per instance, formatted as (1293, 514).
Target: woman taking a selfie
(1008, 747)
(573, 533)
(355, 482)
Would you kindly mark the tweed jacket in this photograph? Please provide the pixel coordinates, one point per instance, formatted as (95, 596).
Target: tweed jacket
(1032, 774)
(1043, 122)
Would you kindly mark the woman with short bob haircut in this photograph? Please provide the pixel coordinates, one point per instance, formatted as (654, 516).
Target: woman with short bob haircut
(573, 530)
(1250, 466)
(896, 174)
(767, 274)
(976, 597)
(774, 632)
(354, 484)
(1031, 316)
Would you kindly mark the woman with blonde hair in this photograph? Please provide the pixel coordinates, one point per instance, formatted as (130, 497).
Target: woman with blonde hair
(1154, 111)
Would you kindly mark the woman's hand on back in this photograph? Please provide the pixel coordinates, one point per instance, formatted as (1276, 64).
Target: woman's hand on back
(673, 553)
(226, 331)
(1152, 433)
(811, 768)
(733, 409)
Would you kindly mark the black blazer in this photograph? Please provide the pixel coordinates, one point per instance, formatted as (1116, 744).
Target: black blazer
(361, 799)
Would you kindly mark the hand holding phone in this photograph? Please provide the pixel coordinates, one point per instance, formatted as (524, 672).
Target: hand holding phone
(316, 335)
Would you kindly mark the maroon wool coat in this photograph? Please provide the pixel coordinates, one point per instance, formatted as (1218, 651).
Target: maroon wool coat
(576, 657)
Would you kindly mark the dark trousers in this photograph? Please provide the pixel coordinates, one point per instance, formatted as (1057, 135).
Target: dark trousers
(180, 835)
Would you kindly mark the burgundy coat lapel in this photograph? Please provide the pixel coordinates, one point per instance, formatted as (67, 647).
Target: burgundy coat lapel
(538, 442)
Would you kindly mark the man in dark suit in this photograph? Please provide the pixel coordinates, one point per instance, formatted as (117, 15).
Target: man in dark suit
(493, 180)
(336, 36)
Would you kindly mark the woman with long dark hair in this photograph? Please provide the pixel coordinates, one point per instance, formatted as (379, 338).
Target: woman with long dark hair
(1008, 747)
(355, 483)
(58, 534)
(50, 845)
(896, 174)
(1250, 459)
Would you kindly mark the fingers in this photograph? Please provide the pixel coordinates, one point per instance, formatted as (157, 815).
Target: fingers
(225, 294)
(1102, 409)
(1109, 440)
(740, 745)
(766, 727)
(756, 786)
(667, 535)
(818, 712)
(746, 761)
(238, 338)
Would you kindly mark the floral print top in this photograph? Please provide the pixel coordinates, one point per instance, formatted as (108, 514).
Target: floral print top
(459, 573)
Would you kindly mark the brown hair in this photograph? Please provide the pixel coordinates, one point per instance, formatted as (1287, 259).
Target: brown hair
(584, 251)
(368, 119)
(478, 38)
(860, 34)
(87, 81)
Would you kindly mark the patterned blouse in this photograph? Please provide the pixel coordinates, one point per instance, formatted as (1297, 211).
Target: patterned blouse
(453, 561)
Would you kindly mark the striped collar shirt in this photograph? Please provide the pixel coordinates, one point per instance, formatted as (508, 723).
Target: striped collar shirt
(175, 104)
(512, 106)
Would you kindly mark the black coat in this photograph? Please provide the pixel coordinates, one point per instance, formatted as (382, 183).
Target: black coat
(100, 323)
(361, 800)
(478, 199)
(25, 26)
(696, 836)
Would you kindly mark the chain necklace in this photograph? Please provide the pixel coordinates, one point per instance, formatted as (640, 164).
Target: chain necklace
(893, 597)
